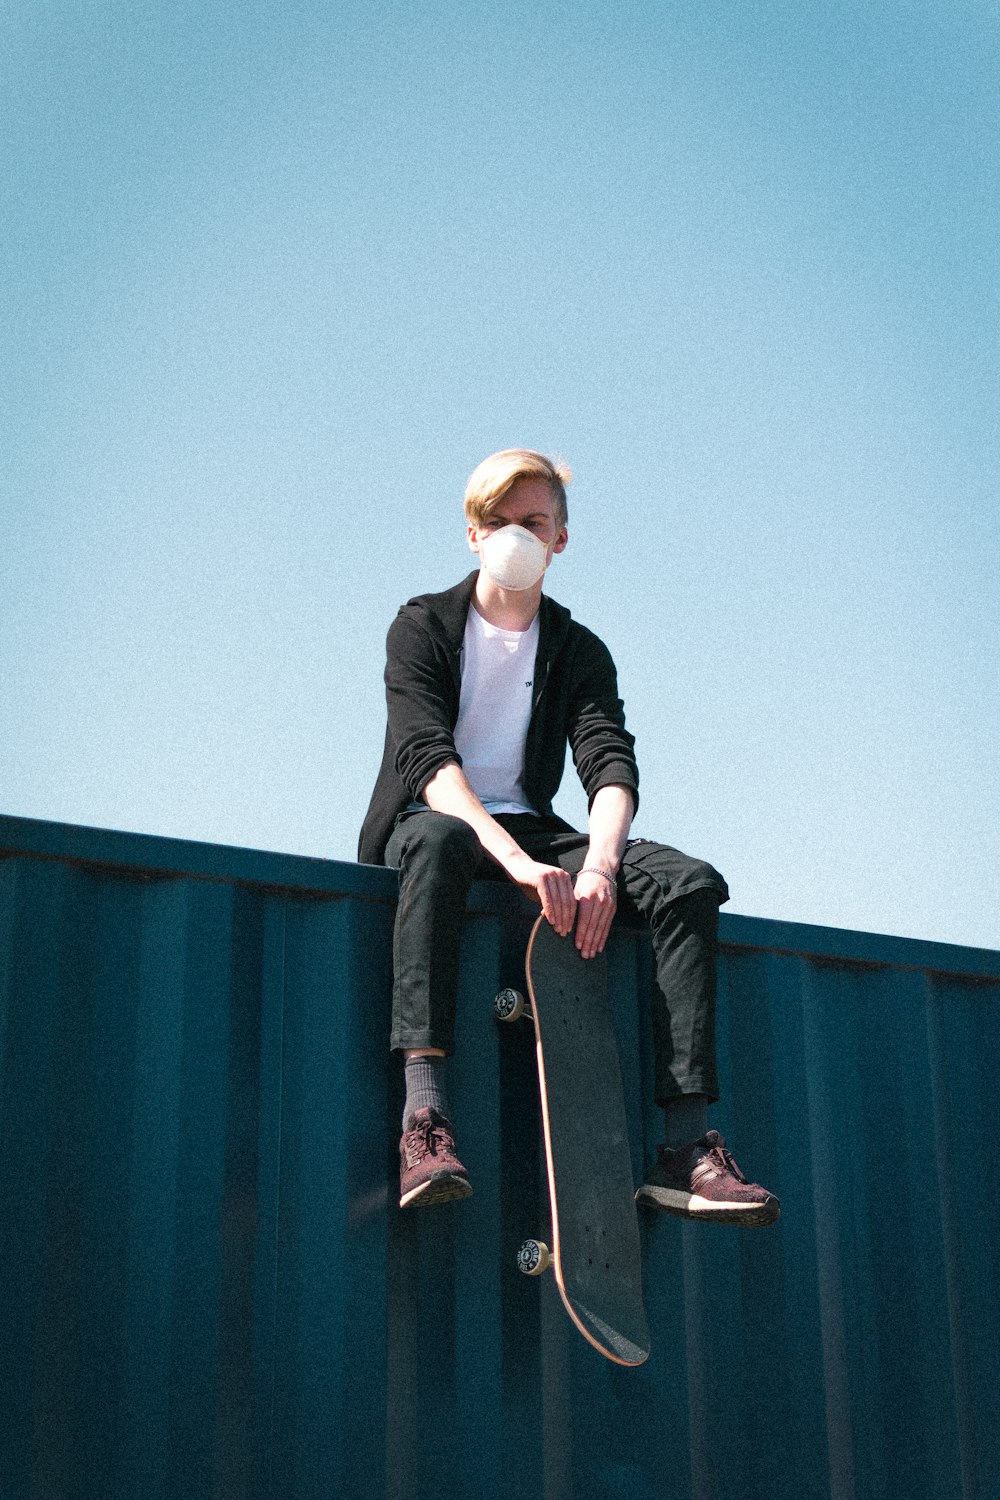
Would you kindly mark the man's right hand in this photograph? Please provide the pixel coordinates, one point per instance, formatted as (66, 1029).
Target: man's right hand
(549, 885)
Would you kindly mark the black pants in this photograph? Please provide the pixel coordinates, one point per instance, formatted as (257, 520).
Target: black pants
(439, 857)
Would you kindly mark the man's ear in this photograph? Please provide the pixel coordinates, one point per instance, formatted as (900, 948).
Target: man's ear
(559, 545)
(470, 532)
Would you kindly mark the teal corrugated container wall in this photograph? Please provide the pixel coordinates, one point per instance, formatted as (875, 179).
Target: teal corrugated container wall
(207, 1290)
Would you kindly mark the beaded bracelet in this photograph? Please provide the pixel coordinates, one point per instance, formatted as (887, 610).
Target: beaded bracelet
(593, 870)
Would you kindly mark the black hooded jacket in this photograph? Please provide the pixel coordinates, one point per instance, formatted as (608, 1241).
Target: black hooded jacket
(575, 700)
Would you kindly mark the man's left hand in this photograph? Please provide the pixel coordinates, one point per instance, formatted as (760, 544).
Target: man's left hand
(597, 901)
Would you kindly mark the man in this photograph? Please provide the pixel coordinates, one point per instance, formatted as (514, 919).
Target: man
(486, 684)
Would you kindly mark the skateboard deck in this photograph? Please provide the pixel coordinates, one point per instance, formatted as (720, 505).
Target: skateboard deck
(595, 1233)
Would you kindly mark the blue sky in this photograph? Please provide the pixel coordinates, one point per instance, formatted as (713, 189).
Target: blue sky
(279, 276)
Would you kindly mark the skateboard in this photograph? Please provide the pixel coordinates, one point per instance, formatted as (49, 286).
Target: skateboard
(595, 1235)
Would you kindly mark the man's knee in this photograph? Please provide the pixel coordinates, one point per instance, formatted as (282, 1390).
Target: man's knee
(676, 873)
(436, 840)
(704, 879)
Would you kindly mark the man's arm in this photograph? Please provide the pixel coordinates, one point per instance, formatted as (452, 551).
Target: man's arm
(449, 791)
(611, 814)
(603, 749)
(421, 701)
(604, 756)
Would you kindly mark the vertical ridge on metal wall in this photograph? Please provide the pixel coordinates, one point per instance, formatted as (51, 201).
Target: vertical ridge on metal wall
(963, 1038)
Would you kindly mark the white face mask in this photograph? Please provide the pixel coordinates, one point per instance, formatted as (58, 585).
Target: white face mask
(513, 558)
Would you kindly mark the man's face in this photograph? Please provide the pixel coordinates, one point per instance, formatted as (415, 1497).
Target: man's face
(528, 503)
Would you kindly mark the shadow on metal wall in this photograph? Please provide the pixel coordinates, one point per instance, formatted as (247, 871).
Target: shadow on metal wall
(209, 1292)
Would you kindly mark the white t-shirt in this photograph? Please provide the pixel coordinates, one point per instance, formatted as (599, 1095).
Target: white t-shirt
(498, 676)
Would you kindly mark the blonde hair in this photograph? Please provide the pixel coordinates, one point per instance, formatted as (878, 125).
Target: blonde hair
(491, 480)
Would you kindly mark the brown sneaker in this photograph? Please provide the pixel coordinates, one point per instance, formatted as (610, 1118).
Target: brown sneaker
(702, 1181)
(429, 1168)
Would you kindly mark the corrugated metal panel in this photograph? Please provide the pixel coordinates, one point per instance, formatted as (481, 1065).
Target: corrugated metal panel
(207, 1290)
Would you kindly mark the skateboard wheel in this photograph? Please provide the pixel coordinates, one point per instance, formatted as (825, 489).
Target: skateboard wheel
(509, 1005)
(533, 1258)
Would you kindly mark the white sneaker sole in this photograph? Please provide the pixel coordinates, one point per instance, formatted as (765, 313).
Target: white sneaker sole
(443, 1189)
(690, 1206)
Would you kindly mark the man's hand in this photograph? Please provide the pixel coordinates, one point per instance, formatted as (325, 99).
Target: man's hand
(597, 901)
(549, 885)
(597, 897)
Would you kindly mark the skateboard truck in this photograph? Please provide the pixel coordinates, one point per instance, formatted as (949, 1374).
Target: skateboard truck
(510, 1005)
(533, 1258)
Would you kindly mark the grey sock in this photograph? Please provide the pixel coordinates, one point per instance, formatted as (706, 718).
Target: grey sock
(686, 1119)
(424, 1086)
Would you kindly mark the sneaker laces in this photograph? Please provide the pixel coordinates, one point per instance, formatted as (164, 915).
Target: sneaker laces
(719, 1156)
(725, 1160)
(429, 1138)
